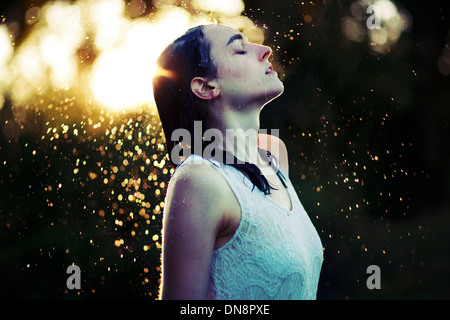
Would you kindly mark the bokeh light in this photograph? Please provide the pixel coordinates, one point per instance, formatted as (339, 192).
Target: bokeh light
(80, 130)
(83, 164)
(104, 50)
(392, 23)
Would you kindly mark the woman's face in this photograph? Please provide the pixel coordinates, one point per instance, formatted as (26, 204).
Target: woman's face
(245, 76)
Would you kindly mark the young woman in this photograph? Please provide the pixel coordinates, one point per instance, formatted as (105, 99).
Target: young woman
(231, 230)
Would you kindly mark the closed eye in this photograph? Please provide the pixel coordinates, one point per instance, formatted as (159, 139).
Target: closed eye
(241, 52)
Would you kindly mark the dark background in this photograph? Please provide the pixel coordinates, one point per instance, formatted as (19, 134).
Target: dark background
(367, 134)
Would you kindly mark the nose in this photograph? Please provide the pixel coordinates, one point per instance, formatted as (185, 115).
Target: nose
(265, 53)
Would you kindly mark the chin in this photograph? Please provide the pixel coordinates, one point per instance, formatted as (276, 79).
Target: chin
(274, 92)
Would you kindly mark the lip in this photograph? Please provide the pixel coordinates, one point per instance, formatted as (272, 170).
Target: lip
(269, 69)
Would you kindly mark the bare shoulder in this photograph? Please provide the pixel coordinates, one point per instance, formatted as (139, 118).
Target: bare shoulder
(193, 216)
(196, 173)
(196, 188)
(201, 174)
(277, 147)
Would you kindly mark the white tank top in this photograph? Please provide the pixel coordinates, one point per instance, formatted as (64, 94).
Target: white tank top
(274, 254)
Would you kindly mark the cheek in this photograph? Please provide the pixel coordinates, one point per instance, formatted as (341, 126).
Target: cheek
(242, 78)
(228, 70)
(239, 77)
(242, 82)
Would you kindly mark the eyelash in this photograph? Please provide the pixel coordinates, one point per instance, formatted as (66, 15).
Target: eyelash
(241, 52)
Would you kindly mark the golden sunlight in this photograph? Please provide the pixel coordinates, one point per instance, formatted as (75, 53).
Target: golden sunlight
(6, 52)
(122, 76)
(102, 50)
(229, 7)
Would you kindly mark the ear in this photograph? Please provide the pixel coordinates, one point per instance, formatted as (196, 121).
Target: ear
(203, 89)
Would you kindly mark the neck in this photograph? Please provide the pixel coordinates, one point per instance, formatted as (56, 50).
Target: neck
(239, 130)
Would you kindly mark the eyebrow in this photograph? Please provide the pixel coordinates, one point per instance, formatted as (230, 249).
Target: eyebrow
(237, 36)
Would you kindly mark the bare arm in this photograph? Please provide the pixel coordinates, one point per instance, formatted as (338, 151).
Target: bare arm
(192, 220)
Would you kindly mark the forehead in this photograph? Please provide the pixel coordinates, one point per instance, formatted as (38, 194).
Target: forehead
(218, 36)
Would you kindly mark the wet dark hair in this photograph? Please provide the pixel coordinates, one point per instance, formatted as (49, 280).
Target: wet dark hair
(178, 107)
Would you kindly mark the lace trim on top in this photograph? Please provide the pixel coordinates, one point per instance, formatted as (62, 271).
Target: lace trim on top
(275, 253)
